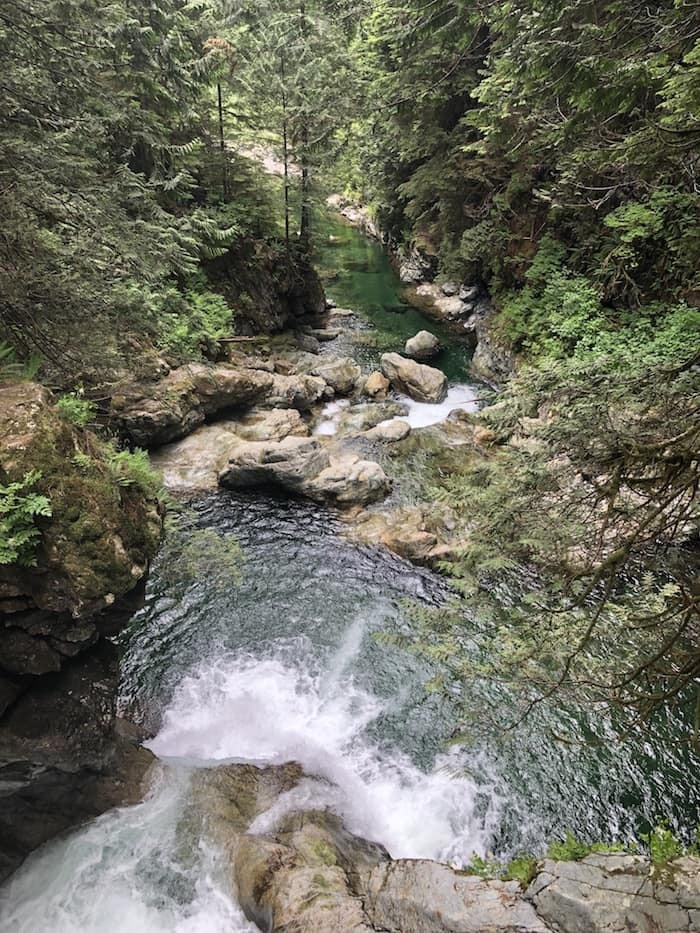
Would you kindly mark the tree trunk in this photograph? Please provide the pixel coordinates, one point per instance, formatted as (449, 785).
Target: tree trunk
(222, 144)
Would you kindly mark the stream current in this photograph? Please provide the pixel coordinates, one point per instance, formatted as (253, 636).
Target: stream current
(283, 663)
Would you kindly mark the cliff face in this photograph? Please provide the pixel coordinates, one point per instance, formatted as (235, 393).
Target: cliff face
(270, 290)
(61, 748)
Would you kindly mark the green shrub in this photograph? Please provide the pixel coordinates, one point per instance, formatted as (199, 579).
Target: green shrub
(11, 368)
(75, 408)
(134, 469)
(571, 849)
(19, 509)
(664, 846)
(194, 321)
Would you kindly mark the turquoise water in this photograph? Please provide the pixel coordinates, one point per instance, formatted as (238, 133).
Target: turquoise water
(358, 275)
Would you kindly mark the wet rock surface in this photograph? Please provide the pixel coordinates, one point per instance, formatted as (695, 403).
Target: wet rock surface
(63, 756)
(302, 871)
(420, 382)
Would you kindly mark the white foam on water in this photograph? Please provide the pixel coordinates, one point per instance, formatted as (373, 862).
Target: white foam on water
(274, 710)
(423, 414)
(330, 417)
(122, 874)
(142, 869)
(420, 414)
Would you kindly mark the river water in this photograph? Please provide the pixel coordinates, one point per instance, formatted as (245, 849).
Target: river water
(284, 660)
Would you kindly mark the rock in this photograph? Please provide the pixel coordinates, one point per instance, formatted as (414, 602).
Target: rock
(469, 293)
(618, 892)
(413, 545)
(65, 757)
(424, 346)
(493, 359)
(341, 374)
(272, 425)
(450, 289)
(154, 413)
(303, 465)
(326, 334)
(425, 897)
(390, 431)
(414, 267)
(298, 391)
(360, 418)
(290, 464)
(350, 480)
(422, 383)
(196, 461)
(484, 437)
(376, 386)
(272, 290)
(308, 343)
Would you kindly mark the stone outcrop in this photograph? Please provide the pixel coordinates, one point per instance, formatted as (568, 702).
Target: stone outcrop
(155, 413)
(63, 755)
(304, 466)
(303, 872)
(414, 266)
(618, 892)
(424, 346)
(427, 897)
(420, 382)
(270, 289)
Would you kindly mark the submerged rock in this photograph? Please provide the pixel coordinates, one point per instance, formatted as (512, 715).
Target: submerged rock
(420, 382)
(424, 346)
(359, 418)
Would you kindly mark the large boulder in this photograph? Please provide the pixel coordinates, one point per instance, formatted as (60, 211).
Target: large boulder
(341, 374)
(424, 346)
(298, 391)
(376, 386)
(420, 382)
(154, 413)
(304, 466)
(427, 897)
(618, 892)
(350, 480)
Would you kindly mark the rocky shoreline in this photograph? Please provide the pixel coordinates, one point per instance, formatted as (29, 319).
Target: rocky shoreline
(303, 871)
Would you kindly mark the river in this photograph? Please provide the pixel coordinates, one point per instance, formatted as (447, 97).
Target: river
(280, 662)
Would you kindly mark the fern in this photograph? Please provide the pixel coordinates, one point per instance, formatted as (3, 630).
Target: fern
(20, 507)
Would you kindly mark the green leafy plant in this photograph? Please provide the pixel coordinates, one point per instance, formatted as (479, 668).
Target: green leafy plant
(664, 846)
(20, 507)
(12, 368)
(134, 469)
(571, 849)
(75, 408)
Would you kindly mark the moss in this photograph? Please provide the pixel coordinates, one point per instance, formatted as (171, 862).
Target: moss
(98, 530)
(322, 852)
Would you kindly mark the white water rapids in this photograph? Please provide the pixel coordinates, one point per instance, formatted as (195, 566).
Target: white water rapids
(133, 870)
